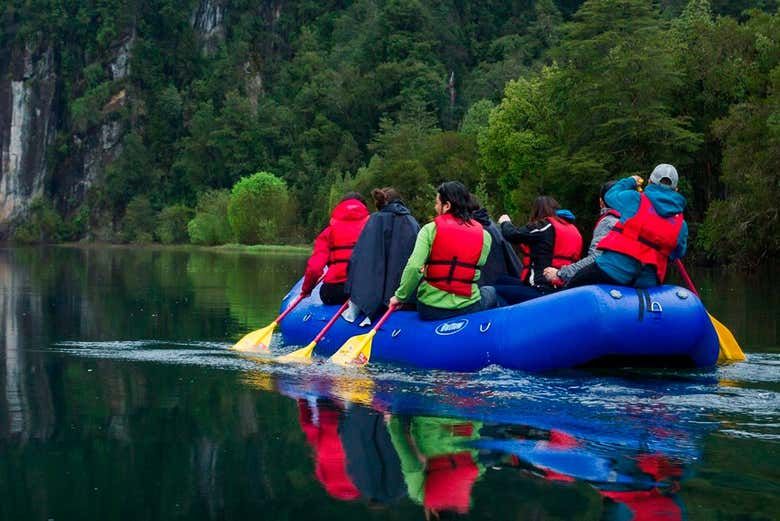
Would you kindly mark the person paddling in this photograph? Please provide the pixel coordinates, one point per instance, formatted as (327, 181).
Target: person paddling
(446, 261)
(608, 217)
(381, 253)
(333, 248)
(651, 231)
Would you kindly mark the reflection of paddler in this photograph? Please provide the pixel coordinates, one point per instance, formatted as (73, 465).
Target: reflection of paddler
(438, 470)
(372, 461)
(319, 423)
(649, 504)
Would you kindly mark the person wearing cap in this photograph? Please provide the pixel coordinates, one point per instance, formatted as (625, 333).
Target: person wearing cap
(651, 231)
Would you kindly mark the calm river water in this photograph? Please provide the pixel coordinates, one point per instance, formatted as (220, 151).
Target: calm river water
(120, 400)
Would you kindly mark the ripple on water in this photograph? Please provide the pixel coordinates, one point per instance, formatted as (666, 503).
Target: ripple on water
(745, 393)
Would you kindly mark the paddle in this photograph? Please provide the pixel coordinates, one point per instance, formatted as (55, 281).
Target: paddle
(729, 348)
(261, 338)
(357, 350)
(303, 355)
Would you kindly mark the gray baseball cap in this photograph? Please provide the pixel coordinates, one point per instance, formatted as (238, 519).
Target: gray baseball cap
(664, 171)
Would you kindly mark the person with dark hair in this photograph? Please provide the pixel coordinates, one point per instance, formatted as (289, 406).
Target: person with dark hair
(445, 264)
(651, 231)
(502, 260)
(607, 219)
(381, 253)
(333, 248)
(550, 239)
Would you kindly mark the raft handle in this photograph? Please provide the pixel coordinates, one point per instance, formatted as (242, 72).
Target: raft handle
(395, 332)
(485, 326)
(306, 317)
(655, 307)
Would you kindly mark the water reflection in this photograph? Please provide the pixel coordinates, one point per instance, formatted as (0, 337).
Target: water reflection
(383, 452)
(119, 399)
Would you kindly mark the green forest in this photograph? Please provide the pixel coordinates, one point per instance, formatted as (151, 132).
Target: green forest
(254, 138)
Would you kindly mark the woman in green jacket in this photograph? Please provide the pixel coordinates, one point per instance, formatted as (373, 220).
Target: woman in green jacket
(444, 265)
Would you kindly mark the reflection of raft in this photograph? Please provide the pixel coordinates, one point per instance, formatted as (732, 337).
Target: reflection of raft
(591, 325)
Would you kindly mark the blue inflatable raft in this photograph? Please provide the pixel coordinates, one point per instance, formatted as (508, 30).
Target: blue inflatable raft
(587, 326)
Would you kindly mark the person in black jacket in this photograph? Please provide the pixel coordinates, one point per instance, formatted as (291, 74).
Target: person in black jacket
(545, 248)
(502, 260)
(381, 252)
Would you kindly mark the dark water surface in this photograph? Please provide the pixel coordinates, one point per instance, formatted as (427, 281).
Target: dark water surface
(120, 400)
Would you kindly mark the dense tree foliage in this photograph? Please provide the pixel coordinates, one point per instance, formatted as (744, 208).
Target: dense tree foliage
(258, 208)
(513, 98)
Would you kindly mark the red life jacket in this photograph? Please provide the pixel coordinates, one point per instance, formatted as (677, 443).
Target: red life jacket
(455, 252)
(448, 482)
(647, 505)
(568, 242)
(646, 237)
(526, 271)
(567, 247)
(346, 222)
(610, 211)
(330, 458)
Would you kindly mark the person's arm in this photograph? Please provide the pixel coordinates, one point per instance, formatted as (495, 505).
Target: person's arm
(623, 196)
(487, 243)
(317, 262)
(602, 229)
(522, 235)
(413, 271)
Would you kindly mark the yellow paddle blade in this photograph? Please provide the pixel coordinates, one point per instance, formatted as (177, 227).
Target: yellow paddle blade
(353, 389)
(258, 340)
(355, 351)
(262, 381)
(299, 356)
(729, 348)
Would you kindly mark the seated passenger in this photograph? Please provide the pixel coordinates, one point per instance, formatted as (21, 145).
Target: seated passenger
(651, 231)
(551, 239)
(447, 257)
(502, 260)
(381, 253)
(607, 220)
(333, 248)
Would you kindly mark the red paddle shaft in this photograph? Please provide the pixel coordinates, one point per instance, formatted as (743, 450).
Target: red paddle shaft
(330, 322)
(384, 318)
(294, 303)
(289, 308)
(685, 276)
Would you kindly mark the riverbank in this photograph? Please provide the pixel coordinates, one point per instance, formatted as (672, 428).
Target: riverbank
(281, 249)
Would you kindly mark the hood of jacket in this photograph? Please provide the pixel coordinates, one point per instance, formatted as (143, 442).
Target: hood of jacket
(349, 210)
(665, 200)
(481, 216)
(565, 214)
(396, 207)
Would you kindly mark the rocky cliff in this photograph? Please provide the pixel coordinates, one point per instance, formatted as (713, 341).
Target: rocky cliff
(33, 115)
(28, 84)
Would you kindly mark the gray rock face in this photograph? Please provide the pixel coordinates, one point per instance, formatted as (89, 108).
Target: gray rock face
(120, 67)
(27, 128)
(207, 20)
